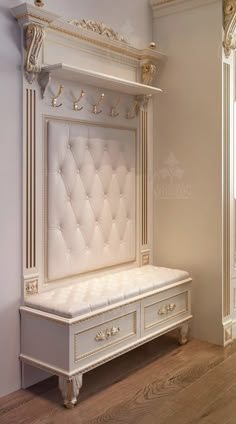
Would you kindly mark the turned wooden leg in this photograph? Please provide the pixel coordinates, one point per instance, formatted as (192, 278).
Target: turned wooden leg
(70, 388)
(183, 333)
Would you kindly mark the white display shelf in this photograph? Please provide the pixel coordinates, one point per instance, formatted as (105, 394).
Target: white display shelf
(84, 76)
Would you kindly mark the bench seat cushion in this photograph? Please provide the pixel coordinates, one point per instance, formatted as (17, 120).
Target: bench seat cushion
(88, 296)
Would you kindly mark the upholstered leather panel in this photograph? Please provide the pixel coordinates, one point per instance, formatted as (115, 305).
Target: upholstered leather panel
(96, 293)
(91, 198)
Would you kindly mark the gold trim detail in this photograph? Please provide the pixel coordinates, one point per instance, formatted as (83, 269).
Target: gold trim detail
(148, 73)
(34, 37)
(31, 287)
(229, 7)
(145, 259)
(144, 173)
(106, 334)
(70, 388)
(39, 3)
(30, 253)
(165, 310)
(226, 189)
(98, 28)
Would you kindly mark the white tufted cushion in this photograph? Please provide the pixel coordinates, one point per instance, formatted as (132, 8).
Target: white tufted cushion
(91, 198)
(96, 293)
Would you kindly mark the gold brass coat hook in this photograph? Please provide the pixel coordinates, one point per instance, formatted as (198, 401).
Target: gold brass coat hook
(55, 99)
(114, 114)
(133, 110)
(76, 108)
(95, 107)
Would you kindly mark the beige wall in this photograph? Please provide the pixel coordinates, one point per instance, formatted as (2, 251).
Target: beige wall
(188, 232)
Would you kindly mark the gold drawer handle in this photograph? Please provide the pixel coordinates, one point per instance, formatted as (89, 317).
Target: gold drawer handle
(104, 335)
(164, 310)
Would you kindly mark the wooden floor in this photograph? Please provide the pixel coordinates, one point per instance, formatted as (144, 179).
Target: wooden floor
(159, 383)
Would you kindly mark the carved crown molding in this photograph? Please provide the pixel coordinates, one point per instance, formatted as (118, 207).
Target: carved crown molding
(229, 7)
(99, 28)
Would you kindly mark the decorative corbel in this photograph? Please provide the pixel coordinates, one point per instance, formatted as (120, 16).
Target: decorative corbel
(34, 36)
(229, 26)
(148, 73)
(143, 100)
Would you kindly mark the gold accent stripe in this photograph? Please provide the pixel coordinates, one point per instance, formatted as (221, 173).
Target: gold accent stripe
(144, 164)
(226, 189)
(30, 178)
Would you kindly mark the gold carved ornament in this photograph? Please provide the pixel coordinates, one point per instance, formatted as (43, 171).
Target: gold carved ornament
(34, 37)
(229, 26)
(148, 73)
(165, 310)
(105, 335)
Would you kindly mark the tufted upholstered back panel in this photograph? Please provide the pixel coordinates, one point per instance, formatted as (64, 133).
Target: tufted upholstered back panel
(91, 198)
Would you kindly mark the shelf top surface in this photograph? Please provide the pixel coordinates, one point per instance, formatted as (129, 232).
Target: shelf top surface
(67, 72)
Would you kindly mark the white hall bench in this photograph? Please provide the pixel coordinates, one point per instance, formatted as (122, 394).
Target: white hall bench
(70, 330)
(90, 291)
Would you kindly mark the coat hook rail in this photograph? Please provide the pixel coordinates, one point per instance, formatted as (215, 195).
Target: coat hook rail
(95, 107)
(55, 99)
(114, 113)
(76, 102)
(133, 110)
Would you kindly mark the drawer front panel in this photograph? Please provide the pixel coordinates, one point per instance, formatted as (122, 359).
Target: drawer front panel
(164, 310)
(103, 336)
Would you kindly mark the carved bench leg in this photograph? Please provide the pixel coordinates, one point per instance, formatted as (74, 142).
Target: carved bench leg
(183, 333)
(70, 388)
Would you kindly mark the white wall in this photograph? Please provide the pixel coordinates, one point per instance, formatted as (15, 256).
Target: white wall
(133, 19)
(188, 232)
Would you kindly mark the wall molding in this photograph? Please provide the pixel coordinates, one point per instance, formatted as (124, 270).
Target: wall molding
(169, 7)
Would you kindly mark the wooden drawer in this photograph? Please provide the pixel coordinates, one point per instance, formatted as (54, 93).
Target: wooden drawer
(160, 309)
(106, 333)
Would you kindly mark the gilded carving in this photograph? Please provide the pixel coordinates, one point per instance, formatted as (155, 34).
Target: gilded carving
(98, 28)
(31, 287)
(34, 37)
(39, 3)
(229, 26)
(165, 310)
(104, 335)
(70, 388)
(148, 73)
